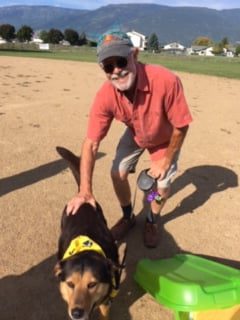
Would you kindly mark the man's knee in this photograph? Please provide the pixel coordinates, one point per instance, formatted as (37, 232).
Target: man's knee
(164, 192)
(118, 175)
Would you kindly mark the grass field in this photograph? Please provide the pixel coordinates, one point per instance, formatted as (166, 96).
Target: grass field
(215, 66)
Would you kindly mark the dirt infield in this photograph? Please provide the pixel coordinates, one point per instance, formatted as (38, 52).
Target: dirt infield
(44, 104)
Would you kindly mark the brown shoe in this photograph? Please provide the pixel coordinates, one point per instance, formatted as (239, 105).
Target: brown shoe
(121, 228)
(151, 235)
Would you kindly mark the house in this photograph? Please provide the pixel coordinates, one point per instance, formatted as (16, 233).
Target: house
(2, 41)
(174, 47)
(229, 52)
(200, 51)
(36, 37)
(37, 40)
(207, 52)
(65, 43)
(195, 50)
(138, 39)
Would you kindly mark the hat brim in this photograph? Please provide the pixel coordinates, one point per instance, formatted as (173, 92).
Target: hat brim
(116, 50)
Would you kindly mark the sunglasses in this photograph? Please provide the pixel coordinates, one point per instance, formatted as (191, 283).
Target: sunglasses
(120, 63)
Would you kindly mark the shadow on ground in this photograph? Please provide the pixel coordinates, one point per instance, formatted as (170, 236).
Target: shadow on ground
(207, 180)
(34, 295)
(32, 176)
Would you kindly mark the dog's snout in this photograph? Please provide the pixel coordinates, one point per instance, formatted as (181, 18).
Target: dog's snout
(77, 313)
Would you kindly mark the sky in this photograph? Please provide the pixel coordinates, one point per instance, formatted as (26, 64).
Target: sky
(94, 4)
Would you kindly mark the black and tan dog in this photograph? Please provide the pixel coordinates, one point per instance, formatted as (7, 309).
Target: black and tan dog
(88, 264)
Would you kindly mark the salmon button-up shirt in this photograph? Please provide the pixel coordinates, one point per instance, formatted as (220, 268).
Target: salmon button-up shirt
(159, 106)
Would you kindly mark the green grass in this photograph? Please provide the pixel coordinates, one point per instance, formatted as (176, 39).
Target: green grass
(83, 54)
(214, 66)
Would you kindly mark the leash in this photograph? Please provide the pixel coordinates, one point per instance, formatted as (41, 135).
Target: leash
(118, 275)
(134, 196)
(123, 264)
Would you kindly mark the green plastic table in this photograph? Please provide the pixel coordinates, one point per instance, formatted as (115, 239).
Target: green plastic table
(187, 283)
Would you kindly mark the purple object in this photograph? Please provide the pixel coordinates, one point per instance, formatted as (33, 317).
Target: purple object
(154, 195)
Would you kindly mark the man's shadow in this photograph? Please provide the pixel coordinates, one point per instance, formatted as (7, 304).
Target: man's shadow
(207, 180)
(34, 295)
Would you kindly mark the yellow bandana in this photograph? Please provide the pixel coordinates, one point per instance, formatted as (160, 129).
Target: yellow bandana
(80, 244)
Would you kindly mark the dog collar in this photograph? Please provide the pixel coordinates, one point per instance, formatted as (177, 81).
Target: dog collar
(112, 293)
(80, 244)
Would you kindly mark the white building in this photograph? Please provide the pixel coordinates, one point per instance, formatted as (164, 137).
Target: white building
(36, 37)
(2, 41)
(138, 39)
(201, 51)
(207, 52)
(228, 53)
(174, 47)
(37, 40)
(44, 46)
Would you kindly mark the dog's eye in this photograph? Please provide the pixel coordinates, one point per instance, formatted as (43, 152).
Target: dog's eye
(92, 285)
(70, 284)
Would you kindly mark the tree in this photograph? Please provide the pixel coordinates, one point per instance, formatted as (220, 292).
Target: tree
(218, 48)
(55, 36)
(238, 50)
(7, 32)
(203, 41)
(25, 33)
(82, 39)
(225, 42)
(44, 36)
(71, 36)
(153, 43)
(92, 43)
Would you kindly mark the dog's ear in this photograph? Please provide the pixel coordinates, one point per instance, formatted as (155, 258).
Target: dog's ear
(72, 160)
(58, 272)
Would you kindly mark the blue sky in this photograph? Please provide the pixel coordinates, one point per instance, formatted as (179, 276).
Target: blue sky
(93, 4)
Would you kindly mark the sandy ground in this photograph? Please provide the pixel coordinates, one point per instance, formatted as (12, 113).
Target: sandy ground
(44, 104)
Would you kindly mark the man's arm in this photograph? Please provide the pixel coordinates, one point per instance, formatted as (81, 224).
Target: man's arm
(88, 157)
(160, 167)
(176, 142)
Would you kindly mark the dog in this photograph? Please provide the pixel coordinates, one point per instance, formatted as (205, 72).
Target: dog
(88, 260)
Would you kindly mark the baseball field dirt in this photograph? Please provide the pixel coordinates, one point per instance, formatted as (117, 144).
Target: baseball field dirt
(44, 104)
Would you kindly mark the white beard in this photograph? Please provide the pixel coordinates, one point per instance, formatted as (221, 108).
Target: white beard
(123, 81)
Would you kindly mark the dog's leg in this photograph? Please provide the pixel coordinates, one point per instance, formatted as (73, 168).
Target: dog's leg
(104, 311)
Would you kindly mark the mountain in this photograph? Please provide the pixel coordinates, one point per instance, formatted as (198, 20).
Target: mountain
(182, 24)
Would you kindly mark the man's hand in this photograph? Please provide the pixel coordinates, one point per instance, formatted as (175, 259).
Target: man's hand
(159, 168)
(75, 203)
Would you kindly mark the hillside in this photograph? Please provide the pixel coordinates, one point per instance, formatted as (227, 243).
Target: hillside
(181, 24)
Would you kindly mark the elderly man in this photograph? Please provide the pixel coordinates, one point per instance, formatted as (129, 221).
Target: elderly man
(150, 101)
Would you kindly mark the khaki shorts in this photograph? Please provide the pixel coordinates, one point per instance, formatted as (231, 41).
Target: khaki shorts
(128, 154)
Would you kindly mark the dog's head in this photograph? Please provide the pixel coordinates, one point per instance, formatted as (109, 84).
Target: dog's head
(86, 280)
